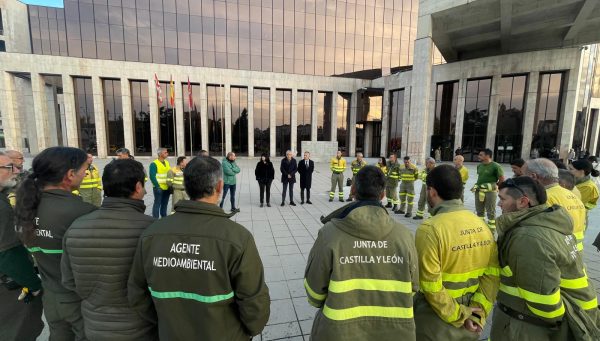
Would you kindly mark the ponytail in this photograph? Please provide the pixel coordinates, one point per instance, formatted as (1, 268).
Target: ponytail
(49, 168)
(595, 173)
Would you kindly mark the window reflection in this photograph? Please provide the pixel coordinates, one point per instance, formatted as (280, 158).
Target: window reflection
(396, 116)
(84, 108)
(509, 135)
(283, 128)
(444, 123)
(141, 117)
(547, 115)
(324, 116)
(476, 117)
(239, 120)
(216, 119)
(261, 121)
(304, 119)
(343, 117)
(191, 118)
(114, 114)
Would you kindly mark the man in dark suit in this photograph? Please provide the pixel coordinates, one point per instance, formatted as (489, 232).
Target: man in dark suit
(305, 169)
(288, 169)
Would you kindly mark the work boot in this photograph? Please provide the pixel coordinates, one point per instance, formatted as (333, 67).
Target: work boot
(349, 199)
(408, 215)
(302, 202)
(389, 205)
(400, 212)
(292, 204)
(341, 199)
(418, 218)
(268, 204)
(308, 202)
(330, 199)
(261, 204)
(283, 203)
(395, 208)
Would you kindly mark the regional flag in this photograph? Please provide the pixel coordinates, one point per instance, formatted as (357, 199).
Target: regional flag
(190, 98)
(158, 89)
(172, 93)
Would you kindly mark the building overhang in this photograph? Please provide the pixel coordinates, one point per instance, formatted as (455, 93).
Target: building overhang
(483, 28)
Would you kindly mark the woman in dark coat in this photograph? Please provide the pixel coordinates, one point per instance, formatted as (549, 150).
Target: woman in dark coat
(288, 169)
(265, 173)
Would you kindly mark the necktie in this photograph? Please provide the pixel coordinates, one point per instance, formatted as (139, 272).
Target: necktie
(306, 163)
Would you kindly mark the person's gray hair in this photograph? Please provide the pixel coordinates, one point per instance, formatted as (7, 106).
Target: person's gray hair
(288, 152)
(430, 159)
(201, 176)
(307, 152)
(566, 179)
(359, 153)
(160, 150)
(543, 168)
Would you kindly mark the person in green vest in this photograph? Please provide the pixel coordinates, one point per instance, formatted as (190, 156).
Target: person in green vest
(159, 171)
(356, 165)
(429, 165)
(489, 175)
(176, 181)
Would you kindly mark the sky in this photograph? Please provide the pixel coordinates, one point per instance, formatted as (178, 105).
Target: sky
(51, 3)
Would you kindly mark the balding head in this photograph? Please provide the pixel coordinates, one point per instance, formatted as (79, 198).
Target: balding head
(16, 157)
(458, 161)
(542, 170)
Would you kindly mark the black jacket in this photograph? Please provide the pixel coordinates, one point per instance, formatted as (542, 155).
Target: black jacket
(107, 236)
(306, 173)
(264, 172)
(288, 168)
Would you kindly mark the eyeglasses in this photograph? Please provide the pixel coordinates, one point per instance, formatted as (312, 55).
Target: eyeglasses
(511, 184)
(10, 167)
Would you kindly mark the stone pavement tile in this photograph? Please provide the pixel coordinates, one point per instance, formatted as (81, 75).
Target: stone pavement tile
(268, 251)
(281, 331)
(306, 326)
(304, 240)
(285, 241)
(305, 248)
(282, 311)
(278, 290)
(296, 288)
(300, 233)
(274, 274)
(292, 261)
(271, 261)
(281, 233)
(279, 227)
(304, 310)
(294, 272)
(287, 249)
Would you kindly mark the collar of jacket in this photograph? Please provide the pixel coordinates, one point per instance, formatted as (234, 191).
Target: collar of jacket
(551, 185)
(363, 219)
(555, 218)
(448, 206)
(124, 204)
(4, 194)
(198, 207)
(582, 180)
(60, 193)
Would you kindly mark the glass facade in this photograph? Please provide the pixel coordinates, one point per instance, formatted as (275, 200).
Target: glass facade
(216, 119)
(324, 116)
(547, 114)
(140, 107)
(314, 37)
(283, 119)
(343, 117)
(396, 116)
(166, 112)
(477, 104)
(444, 122)
(509, 130)
(192, 121)
(84, 109)
(239, 120)
(261, 122)
(113, 109)
(304, 119)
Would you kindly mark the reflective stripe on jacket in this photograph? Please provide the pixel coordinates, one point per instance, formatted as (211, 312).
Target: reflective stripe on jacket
(337, 165)
(569, 201)
(589, 192)
(92, 179)
(357, 165)
(409, 173)
(393, 171)
(162, 171)
(176, 178)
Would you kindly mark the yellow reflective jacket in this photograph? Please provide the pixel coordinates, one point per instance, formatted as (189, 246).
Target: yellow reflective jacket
(357, 165)
(393, 173)
(540, 265)
(382, 168)
(589, 192)
(464, 174)
(458, 263)
(92, 179)
(337, 165)
(175, 178)
(361, 274)
(567, 199)
(410, 173)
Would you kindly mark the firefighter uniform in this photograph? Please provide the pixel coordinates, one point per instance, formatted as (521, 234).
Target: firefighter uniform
(62, 307)
(589, 192)
(423, 195)
(569, 201)
(199, 273)
(337, 167)
(355, 166)
(382, 168)
(458, 268)
(361, 274)
(486, 191)
(464, 176)
(408, 175)
(391, 185)
(90, 189)
(175, 177)
(545, 293)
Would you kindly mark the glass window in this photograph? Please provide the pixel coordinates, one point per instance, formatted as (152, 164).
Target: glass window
(239, 120)
(324, 116)
(114, 114)
(509, 135)
(261, 121)
(547, 116)
(84, 108)
(191, 118)
(283, 128)
(396, 116)
(304, 119)
(141, 117)
(476, 118)
(167, 119)
(216, 119)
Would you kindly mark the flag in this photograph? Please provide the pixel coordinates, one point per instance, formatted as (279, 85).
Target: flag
(190, 98)
(158, 89)
(172, 93)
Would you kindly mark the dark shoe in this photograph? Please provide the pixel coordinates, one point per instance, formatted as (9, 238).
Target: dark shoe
(330, 199)
(292, 204)
(349, 199)
(341, 199)
(261, 204)
(235, 210)
(408, 215)
(395, 208)
(308, 202)
(283, 203)
(389, 205)
(268, 205)
(302, 202)
(400, 212)
(418, 218)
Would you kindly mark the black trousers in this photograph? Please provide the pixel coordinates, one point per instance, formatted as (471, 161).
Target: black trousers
(265, 187)
(302, 193)
(285, 186)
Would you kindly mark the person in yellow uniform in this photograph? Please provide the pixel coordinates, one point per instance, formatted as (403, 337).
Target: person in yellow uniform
(382, 165)
(583, 171)
(337, 166)
(421, 208)
(176, 181)
(391, 184)
(546, 174)
(458, 264)
(158, 173)
(463, 171)
(355, 166)
(408, 174)
(91, 186)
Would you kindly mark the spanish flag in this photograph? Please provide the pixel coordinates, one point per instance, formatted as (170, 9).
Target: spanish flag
(172, 93)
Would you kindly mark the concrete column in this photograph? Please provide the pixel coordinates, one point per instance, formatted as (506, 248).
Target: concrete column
(529, 113)
(423, 54)
(204, 117)
(179, 121)
(227, 99)
(128, 130)
(351, 130)
(314, 121)
(334, 116)
(40, 110)
(460, 112)
(272, 121)
(294, 121)
(10, 114)
(385, 122)
(368, 131)
(70, 113)
(250, 121)
(99, 117)
(490, 140)
(570, 94)
(154, 116)
(595, 130)
(405, 121)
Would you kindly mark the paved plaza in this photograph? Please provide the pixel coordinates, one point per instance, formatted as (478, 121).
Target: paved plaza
(285, 235)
